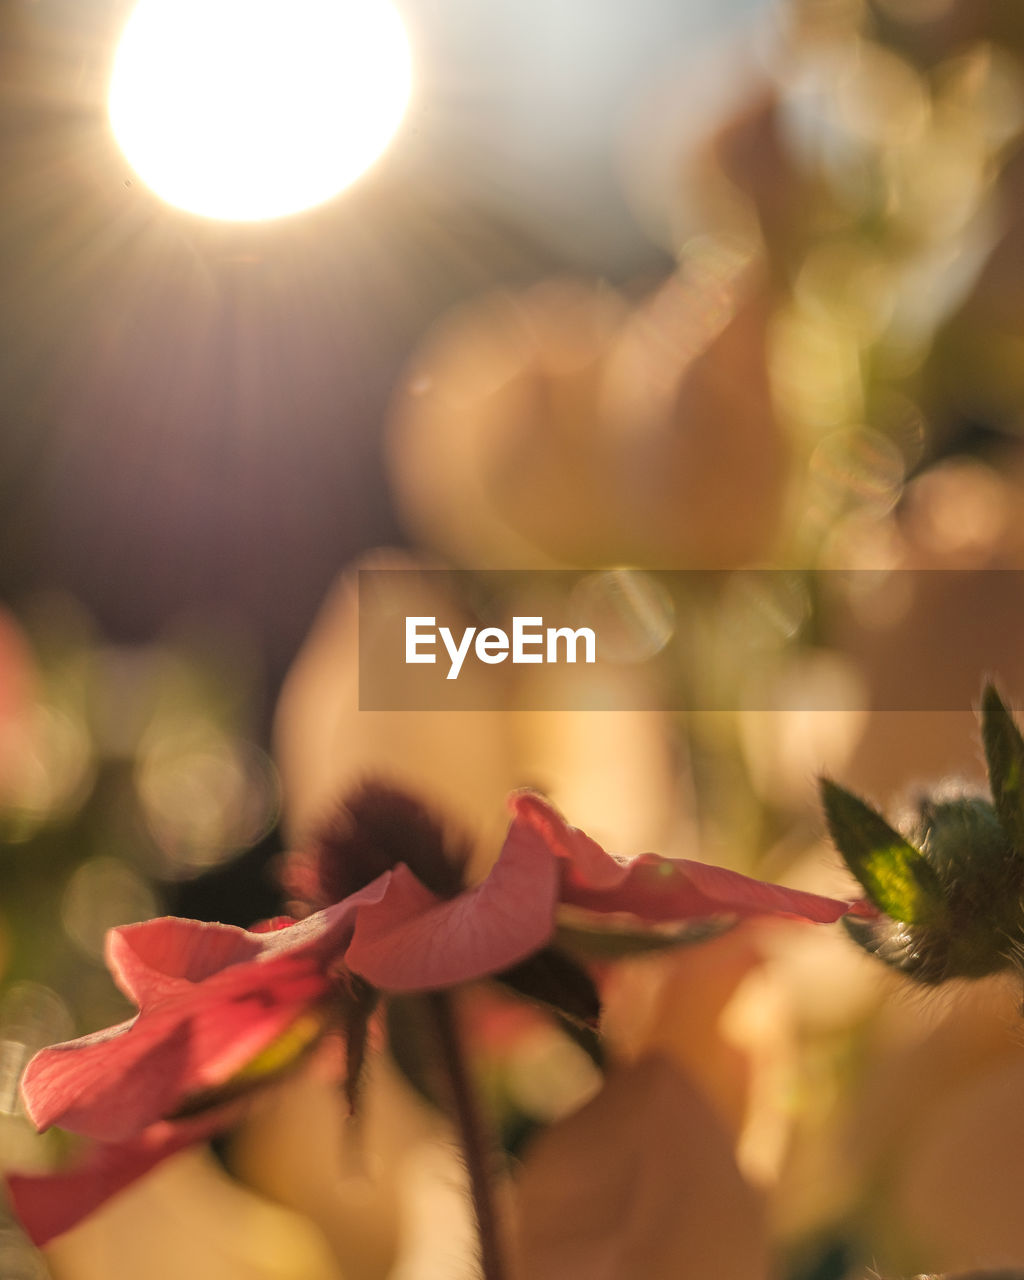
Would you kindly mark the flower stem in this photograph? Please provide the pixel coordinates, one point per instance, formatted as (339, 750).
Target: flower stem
(475, 1148)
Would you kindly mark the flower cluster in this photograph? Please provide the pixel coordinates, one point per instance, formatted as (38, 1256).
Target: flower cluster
(223, 1010)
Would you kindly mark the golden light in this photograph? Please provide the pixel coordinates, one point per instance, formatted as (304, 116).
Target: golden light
(252, 109)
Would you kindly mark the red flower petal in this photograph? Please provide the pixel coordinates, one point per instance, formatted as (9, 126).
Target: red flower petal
(153, 959)
(274, 924)
(207, 1011)
(50, 1204)
(412, 941)
(657, 889)
(112, 1084)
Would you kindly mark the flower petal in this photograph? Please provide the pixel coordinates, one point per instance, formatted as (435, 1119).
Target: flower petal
(641, 1181)
(412, 941)
(200, 1024)
(661, 890)
(152, 959)
(459, 761)
(111, 1084)
(51, 1203)
(188, 1218)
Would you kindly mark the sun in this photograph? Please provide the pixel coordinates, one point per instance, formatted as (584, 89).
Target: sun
(251, 109)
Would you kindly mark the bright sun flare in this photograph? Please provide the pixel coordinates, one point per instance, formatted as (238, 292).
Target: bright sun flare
(250, 109)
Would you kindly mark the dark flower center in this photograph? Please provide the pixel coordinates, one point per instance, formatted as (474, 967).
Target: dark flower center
(373, 830)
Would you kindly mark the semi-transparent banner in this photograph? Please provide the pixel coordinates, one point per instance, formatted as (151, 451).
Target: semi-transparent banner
(894, 640)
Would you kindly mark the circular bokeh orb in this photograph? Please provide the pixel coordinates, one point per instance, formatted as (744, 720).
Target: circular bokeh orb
(245, 110)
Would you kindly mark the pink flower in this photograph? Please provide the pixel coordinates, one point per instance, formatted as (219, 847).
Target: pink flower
(410, 940)
(223, 1009)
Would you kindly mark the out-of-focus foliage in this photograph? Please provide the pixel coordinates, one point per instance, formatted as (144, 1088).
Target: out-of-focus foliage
(124, 771)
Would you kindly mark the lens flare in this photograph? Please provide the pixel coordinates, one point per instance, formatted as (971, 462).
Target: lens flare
(245, 110)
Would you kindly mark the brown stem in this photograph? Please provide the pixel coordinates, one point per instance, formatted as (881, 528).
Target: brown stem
(475, 1148)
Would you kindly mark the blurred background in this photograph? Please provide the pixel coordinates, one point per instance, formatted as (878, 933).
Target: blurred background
(635, 288)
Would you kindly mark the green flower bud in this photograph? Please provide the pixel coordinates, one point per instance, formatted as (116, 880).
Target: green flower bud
(950, 889)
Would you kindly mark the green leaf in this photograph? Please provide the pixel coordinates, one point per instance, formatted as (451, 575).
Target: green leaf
(896, 877)
(1004, 753)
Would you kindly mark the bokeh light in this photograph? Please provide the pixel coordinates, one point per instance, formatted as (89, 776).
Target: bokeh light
(102, 894)
(631, 611)
(31, 1015)
(251, 109)
(204, 795)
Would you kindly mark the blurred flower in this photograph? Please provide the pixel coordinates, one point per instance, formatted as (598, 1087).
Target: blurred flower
(930, 1131)
(48, 1204)
(191, 1219)
(719, 1013)
(640, 1182)
(297, 1145)
(615, 767)
(561, 425)
(931, 622)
